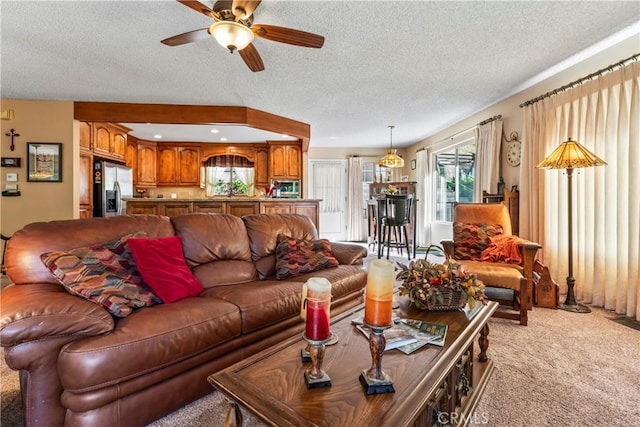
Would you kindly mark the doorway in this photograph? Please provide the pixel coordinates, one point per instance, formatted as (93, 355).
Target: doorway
(328, 182)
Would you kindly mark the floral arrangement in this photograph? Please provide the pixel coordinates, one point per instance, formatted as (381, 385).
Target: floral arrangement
(392, 189)
(445, 286)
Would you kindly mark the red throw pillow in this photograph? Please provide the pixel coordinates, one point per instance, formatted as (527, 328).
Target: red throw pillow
(163, 267)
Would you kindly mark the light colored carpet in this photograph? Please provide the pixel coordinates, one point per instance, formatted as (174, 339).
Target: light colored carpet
(564, 369)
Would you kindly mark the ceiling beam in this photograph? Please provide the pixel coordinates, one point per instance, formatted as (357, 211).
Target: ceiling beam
(116, 112)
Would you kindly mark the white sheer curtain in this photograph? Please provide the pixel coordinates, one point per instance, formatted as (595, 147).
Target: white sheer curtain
(604, 116)
(327, 179)
(423, 204)
(355, 224)
(488, 139)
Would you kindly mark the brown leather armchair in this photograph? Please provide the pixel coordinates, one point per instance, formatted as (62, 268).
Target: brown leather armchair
(508, 283)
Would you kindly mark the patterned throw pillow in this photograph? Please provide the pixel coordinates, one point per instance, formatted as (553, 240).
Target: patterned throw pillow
(296, 257)
(104, 273)
(471, 239)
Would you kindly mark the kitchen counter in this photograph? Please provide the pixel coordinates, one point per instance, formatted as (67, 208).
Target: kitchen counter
(236, 205)
(217, 199)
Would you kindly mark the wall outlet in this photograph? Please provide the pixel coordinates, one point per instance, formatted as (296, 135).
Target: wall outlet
(11, 186)
(12, 176)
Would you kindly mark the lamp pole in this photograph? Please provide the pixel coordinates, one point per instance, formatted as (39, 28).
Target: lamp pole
(570, 303)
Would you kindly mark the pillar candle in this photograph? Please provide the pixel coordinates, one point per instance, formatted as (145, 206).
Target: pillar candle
(379, 293)
(318, 306)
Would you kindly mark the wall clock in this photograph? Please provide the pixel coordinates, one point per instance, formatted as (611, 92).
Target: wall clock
(514, 152)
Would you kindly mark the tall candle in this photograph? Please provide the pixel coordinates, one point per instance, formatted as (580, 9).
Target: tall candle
(318, 306)
(379, 293)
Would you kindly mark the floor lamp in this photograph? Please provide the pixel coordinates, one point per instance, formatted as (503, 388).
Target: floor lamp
(571, 155)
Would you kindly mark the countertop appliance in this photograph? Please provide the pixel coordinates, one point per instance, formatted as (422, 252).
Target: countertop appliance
(286, 188)
(111, 183)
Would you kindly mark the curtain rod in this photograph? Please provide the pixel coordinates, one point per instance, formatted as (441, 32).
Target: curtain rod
(581, 80)
(484, 122)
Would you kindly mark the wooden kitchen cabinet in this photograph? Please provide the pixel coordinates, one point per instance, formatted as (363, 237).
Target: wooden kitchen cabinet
(188, 165)
(167, 165)
(285, 160)
(261, 165)
(131, 158)
(176, 208)
(308, 208)
(209, 207)
(276, 208)
(109, 140)
(146, 173)
(86, 184)
(144, 208)
(85, 136)
(178, 165)
(242, 208)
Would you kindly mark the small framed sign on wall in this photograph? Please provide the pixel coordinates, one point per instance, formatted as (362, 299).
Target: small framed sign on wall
(413, 164)
(44, 161)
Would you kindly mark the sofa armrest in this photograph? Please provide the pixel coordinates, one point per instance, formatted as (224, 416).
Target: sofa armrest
(349, 254)
(36, 311)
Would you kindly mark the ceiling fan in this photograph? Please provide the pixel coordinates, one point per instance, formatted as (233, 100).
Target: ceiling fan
(234, 29)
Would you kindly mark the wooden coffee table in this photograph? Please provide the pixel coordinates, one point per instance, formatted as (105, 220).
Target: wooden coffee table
(432, 384)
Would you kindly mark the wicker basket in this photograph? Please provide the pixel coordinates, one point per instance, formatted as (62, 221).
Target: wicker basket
(447, 296)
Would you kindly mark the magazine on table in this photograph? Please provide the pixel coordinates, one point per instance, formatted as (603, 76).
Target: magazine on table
(435, 332)
(396, 336)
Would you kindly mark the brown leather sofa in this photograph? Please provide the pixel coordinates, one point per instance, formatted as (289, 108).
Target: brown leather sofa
(81, 366)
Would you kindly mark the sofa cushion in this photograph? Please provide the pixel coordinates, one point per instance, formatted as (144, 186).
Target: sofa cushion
(471, 239)
(148, 341)
(295, 257)
(163, 267)
(103, 273)
(502, 275)
(263, 232)
(216, 247)
(262, 303)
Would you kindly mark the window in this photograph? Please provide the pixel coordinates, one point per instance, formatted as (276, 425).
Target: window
(228, 175)
(372, 173)
(454, 178)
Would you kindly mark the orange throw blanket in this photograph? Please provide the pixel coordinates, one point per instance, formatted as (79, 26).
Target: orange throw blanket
(503, 249)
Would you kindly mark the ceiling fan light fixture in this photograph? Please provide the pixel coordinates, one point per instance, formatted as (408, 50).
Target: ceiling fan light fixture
(391, 159)
(231, 35)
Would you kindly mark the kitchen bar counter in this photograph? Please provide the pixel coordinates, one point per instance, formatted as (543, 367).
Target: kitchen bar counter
(238, 206)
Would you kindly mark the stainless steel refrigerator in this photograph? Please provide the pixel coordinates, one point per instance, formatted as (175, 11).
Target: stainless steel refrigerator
(111, 183)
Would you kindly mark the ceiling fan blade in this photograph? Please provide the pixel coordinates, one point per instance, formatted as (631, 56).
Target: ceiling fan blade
(190, 37)
(252, 58)
(197, 6)
(249, 6)
(288, 35)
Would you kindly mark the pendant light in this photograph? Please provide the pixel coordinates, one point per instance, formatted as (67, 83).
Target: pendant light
(391, 159)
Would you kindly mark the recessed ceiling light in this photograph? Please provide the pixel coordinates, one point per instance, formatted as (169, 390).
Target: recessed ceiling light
(157, 136)
(214, 131)
(223, 139)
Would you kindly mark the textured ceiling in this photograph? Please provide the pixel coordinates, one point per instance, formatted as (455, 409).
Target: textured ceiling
(420, 66)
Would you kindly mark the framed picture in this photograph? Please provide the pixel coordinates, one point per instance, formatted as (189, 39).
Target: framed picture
(413, 164)
(44, 161)
(514, 188)
(404, 178)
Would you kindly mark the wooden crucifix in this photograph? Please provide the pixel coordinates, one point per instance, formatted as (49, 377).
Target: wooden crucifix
(12, 134)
